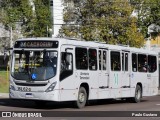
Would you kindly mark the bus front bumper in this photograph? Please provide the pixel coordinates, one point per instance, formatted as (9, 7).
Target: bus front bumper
(48, 96)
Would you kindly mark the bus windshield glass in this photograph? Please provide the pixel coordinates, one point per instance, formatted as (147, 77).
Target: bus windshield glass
(34, 65)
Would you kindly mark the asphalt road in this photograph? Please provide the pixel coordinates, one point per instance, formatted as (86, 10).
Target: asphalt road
(96, 110)
(147, 104)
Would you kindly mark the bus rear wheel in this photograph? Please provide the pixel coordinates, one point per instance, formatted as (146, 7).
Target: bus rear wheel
(82, 98)
(138, 94)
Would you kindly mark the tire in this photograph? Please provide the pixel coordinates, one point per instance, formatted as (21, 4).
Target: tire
(82, 98)
(138, 94)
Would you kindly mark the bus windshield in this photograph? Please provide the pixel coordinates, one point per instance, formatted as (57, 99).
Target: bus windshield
(34, 65)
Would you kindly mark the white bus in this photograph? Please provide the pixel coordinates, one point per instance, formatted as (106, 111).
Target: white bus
(62, 69)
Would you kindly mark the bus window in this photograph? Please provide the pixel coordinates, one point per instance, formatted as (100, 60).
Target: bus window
(104, 60)
(42, 64)
(142, 63)
(152, 63)
(122, 61)
(92, 59)
(115, 61)
(126, 61)
(66, 65)
(100, 59)
(81, 59)
(134, 62)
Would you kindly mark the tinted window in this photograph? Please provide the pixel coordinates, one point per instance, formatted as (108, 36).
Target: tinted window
(115, 61)
(152, 63)
(126, 61)
(122, 61)
(92, 59)
(66, 65)
(81, 58)
(142, 63)
(134, 62)
(100, 59)
(104, 60)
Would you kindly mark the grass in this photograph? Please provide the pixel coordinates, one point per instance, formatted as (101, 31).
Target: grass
(4, 82)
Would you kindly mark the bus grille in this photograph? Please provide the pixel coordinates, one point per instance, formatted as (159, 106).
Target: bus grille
(29, 84)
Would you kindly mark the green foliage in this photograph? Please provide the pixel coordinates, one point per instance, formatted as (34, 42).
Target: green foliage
(4, 86)
(107, 21)
(35, 19)
(148, 13)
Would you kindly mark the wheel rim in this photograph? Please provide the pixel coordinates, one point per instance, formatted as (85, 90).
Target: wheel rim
(138, 94)
(81, 97)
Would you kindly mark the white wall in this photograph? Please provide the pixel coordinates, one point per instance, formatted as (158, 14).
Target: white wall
(57, 12)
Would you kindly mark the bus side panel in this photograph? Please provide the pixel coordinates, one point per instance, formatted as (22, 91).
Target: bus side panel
(115, 84)
(92, 83)
(151, 86)
(68, 89)
(154, 85)
(125, 92)
(89, 78)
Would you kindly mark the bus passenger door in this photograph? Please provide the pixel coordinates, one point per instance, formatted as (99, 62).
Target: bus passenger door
(103, 71)
(67, 82)
(125, 70)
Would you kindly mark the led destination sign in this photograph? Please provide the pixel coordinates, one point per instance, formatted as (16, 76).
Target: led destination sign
(36, 44)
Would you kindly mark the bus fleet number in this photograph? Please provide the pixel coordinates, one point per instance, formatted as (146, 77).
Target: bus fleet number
(24, 89)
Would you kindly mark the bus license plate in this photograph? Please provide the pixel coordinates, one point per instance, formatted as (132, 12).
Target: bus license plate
(29, 95)
(24, 89)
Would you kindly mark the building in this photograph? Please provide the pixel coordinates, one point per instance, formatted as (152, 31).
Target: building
(153, 42)
(57, 16)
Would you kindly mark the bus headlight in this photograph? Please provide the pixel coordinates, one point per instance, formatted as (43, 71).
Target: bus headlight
(12, 87)
(51, 87)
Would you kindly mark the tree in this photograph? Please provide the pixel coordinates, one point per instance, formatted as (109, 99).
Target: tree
(34, 16)
(148, 13)
(42, 18)
(72, 18)
(107, 21)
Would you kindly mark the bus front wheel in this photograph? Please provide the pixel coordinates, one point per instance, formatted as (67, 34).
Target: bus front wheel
(82, 98)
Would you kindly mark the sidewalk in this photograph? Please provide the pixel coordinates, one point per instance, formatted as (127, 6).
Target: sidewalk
(6, 95)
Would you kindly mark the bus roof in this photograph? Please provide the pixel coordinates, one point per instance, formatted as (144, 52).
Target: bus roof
(94, 44)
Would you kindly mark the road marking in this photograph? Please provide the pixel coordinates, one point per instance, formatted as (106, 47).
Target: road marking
(157, 104)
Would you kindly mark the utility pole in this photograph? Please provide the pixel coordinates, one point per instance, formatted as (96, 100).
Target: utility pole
(11, 37)
(47, 30)
(52, 14)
